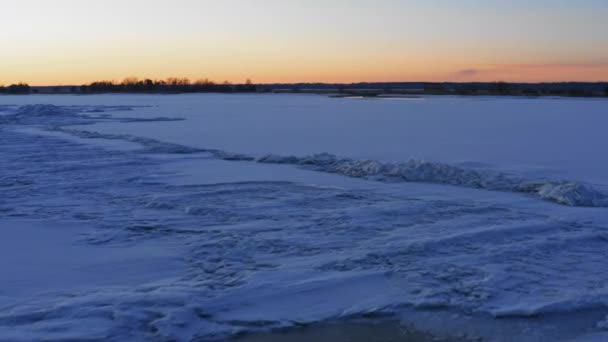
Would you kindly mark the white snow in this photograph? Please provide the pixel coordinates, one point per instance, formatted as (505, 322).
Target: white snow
(199, 216)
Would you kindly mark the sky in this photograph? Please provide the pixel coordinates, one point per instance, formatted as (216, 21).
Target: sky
(45, 42)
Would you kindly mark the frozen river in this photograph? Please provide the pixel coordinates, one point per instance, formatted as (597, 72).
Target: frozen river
(198, 217)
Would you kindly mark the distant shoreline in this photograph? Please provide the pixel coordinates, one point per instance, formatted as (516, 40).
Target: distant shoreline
(353, 94)
(375, 89)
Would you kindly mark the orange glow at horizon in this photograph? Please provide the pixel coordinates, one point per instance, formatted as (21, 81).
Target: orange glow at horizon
(70, 42)
(507, 73)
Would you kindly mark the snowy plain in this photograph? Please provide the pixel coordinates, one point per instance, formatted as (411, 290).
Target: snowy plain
(198, 217)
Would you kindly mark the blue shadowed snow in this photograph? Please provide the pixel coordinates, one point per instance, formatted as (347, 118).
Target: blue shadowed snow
(149, 224)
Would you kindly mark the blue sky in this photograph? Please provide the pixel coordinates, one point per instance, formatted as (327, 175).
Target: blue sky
(72, 41)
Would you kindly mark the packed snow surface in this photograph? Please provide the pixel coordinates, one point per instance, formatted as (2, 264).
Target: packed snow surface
(197, 217)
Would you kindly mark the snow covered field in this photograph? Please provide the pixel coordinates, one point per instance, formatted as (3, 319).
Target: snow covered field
(198, 217)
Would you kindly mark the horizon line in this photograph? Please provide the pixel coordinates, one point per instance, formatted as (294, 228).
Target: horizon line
(323, 82)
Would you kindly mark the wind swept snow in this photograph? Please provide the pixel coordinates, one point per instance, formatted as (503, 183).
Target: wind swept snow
(220, 217)
(564, 192)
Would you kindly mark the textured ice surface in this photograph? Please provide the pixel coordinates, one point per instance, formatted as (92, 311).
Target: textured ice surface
(565, 192)
(250, 239)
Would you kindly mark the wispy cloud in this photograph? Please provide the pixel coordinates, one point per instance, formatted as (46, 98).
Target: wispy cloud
(470, 74)
(467, 72)
(593, 70)
(590, 64)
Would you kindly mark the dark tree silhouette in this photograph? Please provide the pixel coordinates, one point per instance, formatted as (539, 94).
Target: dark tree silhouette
(170, 85)
(530, 92)
(579, 92)
(19, 88)
(501, 88)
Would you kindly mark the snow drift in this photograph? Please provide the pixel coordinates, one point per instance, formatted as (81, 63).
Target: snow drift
(563, 192)
(570, 193)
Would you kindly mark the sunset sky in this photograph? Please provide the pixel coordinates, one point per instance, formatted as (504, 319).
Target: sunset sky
(75, 41)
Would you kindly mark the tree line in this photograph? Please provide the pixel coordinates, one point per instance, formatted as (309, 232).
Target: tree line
(569, 89)
(170, 85)
(184, 85)
(134, 85)
(19, 88)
